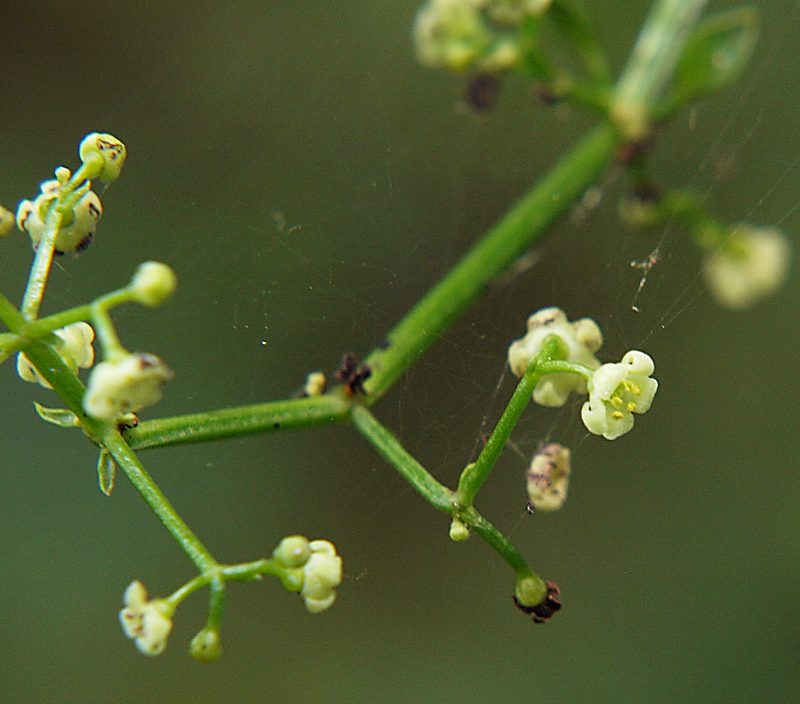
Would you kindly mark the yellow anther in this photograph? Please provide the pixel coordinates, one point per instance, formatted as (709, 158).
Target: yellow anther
(617, 415)
(616, 401)
(631, 406)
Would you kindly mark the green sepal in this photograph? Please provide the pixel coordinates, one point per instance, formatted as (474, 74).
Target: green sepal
(715, 54)
(106, 471)
(61, 417)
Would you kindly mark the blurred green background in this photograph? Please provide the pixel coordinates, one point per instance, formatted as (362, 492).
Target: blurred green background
(309, 181)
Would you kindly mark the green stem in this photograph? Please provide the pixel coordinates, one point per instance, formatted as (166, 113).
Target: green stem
(439, 496)
(389, 447)
(157, 501)
(475, 474)
(652, 62)
(241, 420)
(507, 240)
(40, 270)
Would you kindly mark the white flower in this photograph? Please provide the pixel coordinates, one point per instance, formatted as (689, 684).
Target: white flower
(125, 385)
(752, 264)
(74, 346)
(582, 339)
(148, 622)
(616, 392)
(77, 227)
(321, 575)
(153, 283)
(548, 477)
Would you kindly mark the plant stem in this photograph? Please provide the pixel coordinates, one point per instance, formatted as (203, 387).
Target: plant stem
(241, 420)
(40, 269)
(389, 447)
(651, 63)
(507, 240)
(439, 496)
(158, 502)
(475, 474)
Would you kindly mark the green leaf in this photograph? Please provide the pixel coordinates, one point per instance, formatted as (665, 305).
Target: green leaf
(106, 471)
(61, 417)
(715, 54)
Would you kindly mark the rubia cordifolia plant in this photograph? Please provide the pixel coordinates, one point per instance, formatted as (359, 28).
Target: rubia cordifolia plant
(676, 59)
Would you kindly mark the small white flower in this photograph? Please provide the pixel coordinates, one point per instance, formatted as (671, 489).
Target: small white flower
(77, 227)
(147, 622)
(752, 264)
(125, 385)
(548, 477)
(616, 392)
(582, 339)
(74, 346)
(153, 283)
(321, 575)
(315, 385)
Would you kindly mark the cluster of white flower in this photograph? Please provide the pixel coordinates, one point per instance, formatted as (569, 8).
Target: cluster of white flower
(147, 622)
(317, 567)
(616, 391)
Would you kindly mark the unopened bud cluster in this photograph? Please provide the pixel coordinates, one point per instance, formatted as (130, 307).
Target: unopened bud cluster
(315, 570)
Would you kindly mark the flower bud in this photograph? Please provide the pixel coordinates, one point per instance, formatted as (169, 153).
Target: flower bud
(103, 155)
(205, 646)
(74, 346)
(125, 385)
(321, 575)
(292, 551)
(153, 283)
(77, 226)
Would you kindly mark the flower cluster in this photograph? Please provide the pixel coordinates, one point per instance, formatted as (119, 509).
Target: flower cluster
(316, 569)
(147, 622)
(616, 391)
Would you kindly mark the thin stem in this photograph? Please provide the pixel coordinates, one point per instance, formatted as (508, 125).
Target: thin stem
(439, 496)
(652, 62)
(474, 475)
(507, 240)
(241, 420)
(40, 270)
(157, 501)
(389, 447)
